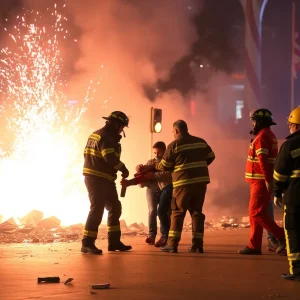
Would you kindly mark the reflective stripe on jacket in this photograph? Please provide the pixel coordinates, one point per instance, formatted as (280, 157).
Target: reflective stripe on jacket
(261, 156)
(287, 170)
(188, 158)
(102, 154)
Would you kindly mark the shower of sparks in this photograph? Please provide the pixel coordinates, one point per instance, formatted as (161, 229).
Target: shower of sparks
(40, 150)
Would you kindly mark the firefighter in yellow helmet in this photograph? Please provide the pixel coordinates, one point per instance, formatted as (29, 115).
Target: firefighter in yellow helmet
(287, 192)
(101, 164)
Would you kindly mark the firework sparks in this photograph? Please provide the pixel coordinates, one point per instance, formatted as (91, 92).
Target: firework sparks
(40, 154)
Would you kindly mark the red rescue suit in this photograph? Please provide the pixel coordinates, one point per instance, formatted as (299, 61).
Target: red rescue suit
(259, 168)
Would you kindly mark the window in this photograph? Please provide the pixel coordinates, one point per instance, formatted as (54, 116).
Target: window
(239, 108)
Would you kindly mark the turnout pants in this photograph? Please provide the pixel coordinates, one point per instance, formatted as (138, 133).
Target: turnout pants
(292, 234)
(102, 194)
(259, 216)
(187, 197)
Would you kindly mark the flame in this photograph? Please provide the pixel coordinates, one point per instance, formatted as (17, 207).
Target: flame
(40, 152)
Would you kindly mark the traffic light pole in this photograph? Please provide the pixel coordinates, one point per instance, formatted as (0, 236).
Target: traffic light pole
(151, 133)
(151, 143)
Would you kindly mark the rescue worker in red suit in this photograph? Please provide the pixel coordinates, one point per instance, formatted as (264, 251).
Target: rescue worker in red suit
(259, 173)
(287, 192)
(101, 164)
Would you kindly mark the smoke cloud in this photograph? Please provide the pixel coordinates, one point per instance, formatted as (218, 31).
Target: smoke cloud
(130, 44)
(137, 40)
(125, 45)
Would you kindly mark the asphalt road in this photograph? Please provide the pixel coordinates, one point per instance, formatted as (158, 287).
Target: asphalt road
(145, 272)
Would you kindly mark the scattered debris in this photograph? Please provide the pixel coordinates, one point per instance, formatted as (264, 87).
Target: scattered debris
(49, 230)
(100, 286)
(245, 219)
(68, 280)
(25, 229)
(8, 226)
(123, 225)
(78, 226)
(32, 218)
(134, 227)
(48, 223)
(48, 280)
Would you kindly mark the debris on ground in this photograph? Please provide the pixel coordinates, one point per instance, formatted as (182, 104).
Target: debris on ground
(34, 229)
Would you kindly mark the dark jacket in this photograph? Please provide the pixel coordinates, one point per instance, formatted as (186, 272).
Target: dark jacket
(287, 170)
(102, 154)
(188, 158)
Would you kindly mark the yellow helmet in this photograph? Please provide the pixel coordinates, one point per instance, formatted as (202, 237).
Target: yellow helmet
(294, 116)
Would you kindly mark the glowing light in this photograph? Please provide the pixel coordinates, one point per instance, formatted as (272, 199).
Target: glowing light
(40, 149)
(158, 127)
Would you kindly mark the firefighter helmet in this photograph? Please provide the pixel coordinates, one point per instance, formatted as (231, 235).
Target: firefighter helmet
(118, 116)
(294, 116)
(263, 114)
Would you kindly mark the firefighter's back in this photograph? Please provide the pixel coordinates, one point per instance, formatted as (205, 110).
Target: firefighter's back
(191, 154)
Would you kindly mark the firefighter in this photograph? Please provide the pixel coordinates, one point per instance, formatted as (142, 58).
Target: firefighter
(101, 164)
(287, 190)
(259, 173)
(188, 158)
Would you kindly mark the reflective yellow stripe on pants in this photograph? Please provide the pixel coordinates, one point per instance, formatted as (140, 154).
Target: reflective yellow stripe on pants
(174, 234)
(113, 228)
(288, 250)
(92, 234)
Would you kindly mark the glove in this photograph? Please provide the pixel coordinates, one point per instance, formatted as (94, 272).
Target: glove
(125, 172)
(278, 201)
(269, 185)
(124, 182)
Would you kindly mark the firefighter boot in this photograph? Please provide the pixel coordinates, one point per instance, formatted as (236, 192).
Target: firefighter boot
(119, 247)
(114, 243)
(288, 276)
(90, 248)
(249, 251)
(168, 248)
(195, 248)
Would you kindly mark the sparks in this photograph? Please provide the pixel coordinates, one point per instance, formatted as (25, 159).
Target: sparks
(40, 151)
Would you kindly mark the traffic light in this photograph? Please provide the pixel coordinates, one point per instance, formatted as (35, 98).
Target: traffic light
(156, 120)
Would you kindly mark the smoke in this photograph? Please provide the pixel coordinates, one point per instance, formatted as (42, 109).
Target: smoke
(139, 40)
(130, 44)
(125, 45)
